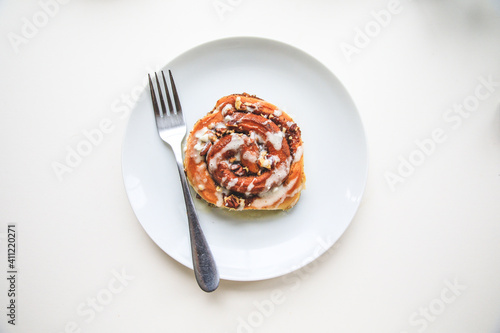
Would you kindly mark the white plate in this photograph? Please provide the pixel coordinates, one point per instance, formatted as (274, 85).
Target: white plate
(252, 245)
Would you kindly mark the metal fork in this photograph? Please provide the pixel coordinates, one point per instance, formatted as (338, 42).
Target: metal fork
(172, 129)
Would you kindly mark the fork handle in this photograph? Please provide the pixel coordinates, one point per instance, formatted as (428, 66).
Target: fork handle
(204, 266)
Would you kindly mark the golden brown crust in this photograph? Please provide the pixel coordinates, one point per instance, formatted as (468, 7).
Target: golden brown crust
(246, 154)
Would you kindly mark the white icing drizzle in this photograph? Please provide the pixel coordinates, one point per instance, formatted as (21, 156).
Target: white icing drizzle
(201, 132)
(275, 197)
(203, 137)
(242, 205)
(265, 163)
(220, 125)
(252, 158)
(220, 199)
(249, 188)
(197, 157)
(253, 107)
(298, 154)
(220, 196)
(227, 107)
(199, 146)
(277, 112)
(277, 175)
(239, 187)
(275, 139)
(234, 144)
(231, 183)
(200, 171)
(251, 185)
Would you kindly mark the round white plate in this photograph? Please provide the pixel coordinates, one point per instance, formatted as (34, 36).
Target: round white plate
(252, 245)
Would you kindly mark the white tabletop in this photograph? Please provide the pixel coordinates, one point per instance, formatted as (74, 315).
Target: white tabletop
(422, 253)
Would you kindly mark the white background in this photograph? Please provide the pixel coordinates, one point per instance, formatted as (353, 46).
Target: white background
(394, 269)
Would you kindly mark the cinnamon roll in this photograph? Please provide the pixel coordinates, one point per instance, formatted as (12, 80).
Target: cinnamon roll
(246, 154)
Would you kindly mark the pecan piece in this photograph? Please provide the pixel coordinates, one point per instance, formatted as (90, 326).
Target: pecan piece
(219, 131)
(237, 103)
(265, 161)
(232, 201)
(293, 128)
(232, 124)
(237, 169)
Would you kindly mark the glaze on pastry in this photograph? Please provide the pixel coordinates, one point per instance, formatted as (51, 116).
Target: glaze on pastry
(246, 154)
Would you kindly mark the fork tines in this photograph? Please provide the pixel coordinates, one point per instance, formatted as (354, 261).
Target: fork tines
(164, 111)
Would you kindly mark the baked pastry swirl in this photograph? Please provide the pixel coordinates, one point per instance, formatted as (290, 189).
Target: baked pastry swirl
(246, 154)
